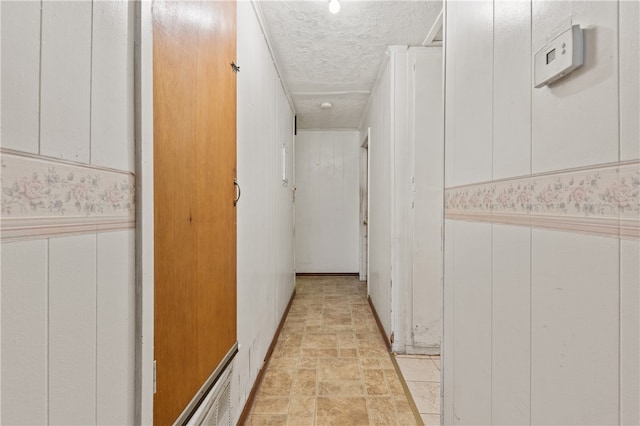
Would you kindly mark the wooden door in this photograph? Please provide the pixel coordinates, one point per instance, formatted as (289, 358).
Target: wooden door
(194, 44)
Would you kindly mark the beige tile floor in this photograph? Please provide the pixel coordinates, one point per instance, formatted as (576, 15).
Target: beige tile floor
(330, 365)
(422, 376)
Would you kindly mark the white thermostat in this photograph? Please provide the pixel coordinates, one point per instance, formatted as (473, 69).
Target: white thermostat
(559, 57)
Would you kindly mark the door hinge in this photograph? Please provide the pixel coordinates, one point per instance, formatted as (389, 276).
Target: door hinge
(235, 67)
(154, 376)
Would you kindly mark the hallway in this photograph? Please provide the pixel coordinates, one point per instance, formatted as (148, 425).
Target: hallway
(330, 365)
(152, 229)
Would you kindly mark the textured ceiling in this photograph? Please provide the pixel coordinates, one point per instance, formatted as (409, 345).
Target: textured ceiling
(335, 58)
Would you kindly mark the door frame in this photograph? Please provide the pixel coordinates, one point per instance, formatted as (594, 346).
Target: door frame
(364, 233)
(143, 70)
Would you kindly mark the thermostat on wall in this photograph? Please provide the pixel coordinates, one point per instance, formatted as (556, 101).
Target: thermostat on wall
(559, 57)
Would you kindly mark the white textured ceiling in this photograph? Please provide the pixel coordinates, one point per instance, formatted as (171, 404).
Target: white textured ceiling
(335, 58)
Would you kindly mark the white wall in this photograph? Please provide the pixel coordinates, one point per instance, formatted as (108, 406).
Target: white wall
(67, 302)
(541, 326)
(378, 118)
(327, 201)
(423, 305)
(405, 196)
(265, 209)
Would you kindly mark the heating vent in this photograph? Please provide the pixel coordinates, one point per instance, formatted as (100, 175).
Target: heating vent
(215, 410)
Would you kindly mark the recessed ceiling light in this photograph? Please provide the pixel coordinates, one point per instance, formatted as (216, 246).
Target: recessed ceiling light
(326, 105)
(334, 6)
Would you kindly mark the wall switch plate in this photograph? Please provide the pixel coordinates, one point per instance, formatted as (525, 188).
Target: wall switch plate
(559, 57)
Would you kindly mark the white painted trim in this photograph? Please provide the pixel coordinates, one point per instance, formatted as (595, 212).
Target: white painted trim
(1, 244)
(368, 206)
(363, 181)
(409, 293)
(391, 50)
(267, 37)
(144, 214)
(444, 357)
(344, 92)
(196, 409)
(20, 229)
(326, 130)
(61, 161)
(294, 135)
(435, 28)
(211, 401)
(398, 158)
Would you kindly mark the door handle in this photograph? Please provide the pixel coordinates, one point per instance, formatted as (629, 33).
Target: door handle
(238, 191)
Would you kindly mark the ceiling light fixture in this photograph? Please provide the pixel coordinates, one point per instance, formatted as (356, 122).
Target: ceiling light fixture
(334, 6)
(326, 105)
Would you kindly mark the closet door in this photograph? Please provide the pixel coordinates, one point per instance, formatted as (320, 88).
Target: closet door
(195, 217)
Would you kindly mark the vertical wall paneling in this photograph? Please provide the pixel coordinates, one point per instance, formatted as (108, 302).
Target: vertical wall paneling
(574, 290)
(72, 330)
(65, 80)
(424, 330)
(405, 123)
(412, 236)
(400, 196)
(629, 332)
(68, 303)
(468, 153)
(449, 57)
(327, 201)
(271, 156)
(24, 333)
(511, 325)
(512, 89)
(248, 85)
(1, 400)
(470, 30)
(472, 299)
(265, 226)
(629, 39)
(115, 327)
(112, 85)
(20, 75)
(380, 146)
(284, 200)
(447, 354)
(448, 326)
(144, 374)
(565, 133)
(560, 302)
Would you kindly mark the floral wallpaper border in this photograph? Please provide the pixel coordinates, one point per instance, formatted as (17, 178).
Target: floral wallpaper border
(603, 199)
(43, 197)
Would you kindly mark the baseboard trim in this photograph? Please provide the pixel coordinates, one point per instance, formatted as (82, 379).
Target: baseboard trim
(380, 327)
(327, 274)
(254, 389)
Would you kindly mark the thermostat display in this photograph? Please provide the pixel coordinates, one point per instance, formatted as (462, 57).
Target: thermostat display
(559, 57)
(551, 56)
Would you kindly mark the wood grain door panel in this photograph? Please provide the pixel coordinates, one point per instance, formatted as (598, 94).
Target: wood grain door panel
(195, 219)
(216, 170)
